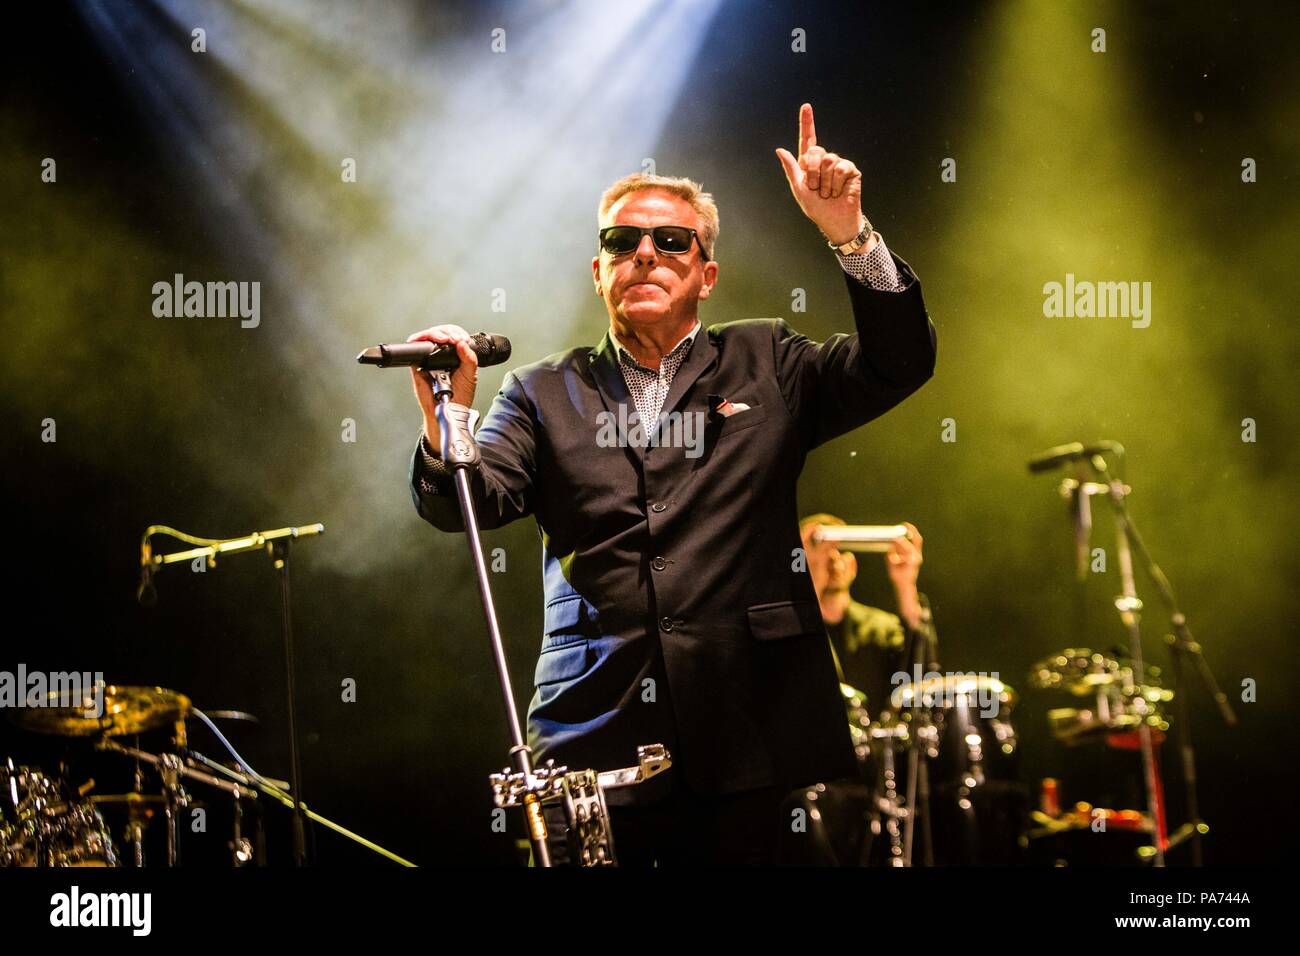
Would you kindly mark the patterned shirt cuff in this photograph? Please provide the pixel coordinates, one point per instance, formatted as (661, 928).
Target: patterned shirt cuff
(874, 269)
(435, 469)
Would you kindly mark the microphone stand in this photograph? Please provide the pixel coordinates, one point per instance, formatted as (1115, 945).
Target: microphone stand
(1081, 513)
(1181, 643)
(460, 453)
(1130, 608)
(276, 544)
(1182, 646)
(279, 549)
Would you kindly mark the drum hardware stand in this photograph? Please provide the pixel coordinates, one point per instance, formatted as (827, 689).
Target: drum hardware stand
(242, 851)
(583, 790)
(172, 768)
(135, 816)
(924, 642)
(241, 848)
(890, 807)
(276, 543)
(175, 799)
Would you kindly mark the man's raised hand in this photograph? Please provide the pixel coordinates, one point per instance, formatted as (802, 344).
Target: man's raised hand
(827, 187)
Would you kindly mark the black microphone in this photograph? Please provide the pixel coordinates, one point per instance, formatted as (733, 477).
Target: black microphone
(428, 356)
(1061, 454)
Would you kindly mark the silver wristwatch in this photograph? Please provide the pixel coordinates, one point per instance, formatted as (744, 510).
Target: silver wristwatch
(857, 242)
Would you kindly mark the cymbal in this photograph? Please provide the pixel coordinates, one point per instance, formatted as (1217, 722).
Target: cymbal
(1076, 669)
(125, 711)
(1086, 673)
(1072, 724)
(233, 715)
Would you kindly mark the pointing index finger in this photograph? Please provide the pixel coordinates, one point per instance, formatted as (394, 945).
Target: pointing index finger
(807, 131)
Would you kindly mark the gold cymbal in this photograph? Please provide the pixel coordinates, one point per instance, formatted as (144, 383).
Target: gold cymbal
(1086, 673)
(124, 711)
(1076, 669)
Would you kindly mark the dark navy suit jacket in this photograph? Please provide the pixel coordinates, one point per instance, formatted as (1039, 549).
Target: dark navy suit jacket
(677, 609)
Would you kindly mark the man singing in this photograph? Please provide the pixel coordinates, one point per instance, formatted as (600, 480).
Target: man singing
(678, 607)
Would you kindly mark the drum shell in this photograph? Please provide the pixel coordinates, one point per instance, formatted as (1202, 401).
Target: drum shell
(978, 805)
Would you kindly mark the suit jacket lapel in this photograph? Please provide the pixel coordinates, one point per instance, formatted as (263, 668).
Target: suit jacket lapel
(702, 355)
(609, 378)
(611, 386)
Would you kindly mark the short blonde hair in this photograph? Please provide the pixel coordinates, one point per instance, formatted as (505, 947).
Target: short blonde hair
(687, 189)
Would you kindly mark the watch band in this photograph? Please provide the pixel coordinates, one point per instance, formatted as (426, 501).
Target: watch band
(857, 242)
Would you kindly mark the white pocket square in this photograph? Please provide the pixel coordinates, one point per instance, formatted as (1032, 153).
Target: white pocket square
(727, 408)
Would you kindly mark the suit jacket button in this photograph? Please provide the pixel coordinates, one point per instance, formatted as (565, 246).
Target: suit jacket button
(658, 506)
(666, 623)
(658, 564)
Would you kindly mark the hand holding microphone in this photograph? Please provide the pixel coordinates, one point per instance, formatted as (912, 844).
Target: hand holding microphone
(464, 379)
(445, 347)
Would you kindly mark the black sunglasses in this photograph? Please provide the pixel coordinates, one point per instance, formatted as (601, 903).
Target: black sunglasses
(673, 240)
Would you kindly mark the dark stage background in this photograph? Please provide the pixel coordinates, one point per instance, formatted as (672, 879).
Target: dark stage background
(477, 178)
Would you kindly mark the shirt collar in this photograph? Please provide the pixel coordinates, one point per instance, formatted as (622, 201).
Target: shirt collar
(683, 345)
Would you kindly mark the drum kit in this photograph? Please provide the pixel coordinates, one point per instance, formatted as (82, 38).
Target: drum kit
(44, 825)
(1112, 707)
(49, 819)
(1112, 702)
(937, 769)
(956, 734)
(945, 746)
(953, 737)
(175, 796)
